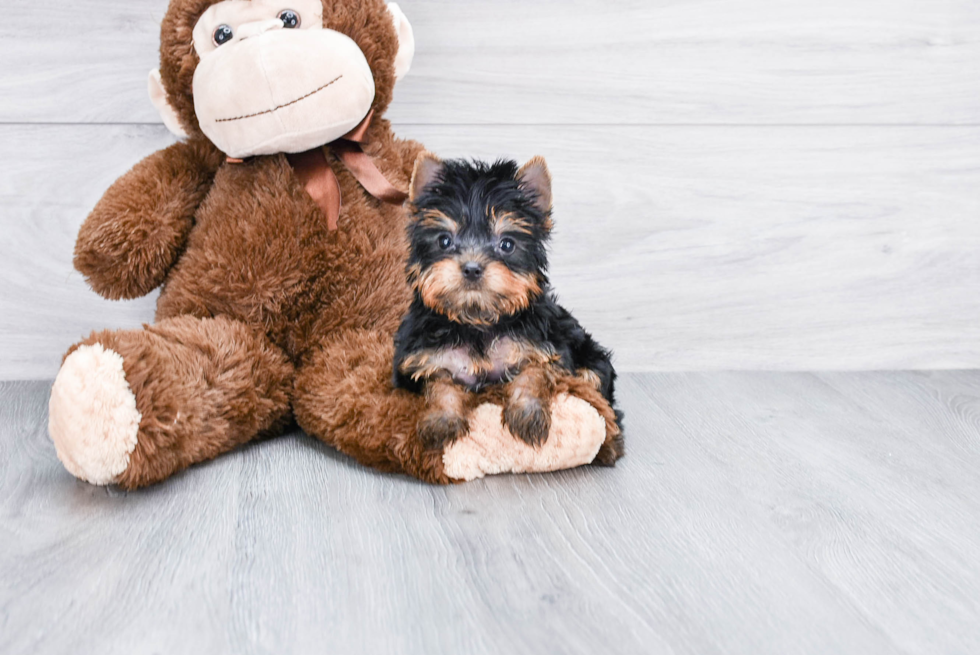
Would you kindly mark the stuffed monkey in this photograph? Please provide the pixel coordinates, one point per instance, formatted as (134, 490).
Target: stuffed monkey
(275, 229)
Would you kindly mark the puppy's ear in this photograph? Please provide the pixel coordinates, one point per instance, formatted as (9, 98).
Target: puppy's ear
(427, 169)
(535, 177)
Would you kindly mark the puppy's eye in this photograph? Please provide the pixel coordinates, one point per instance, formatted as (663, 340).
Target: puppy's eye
(222, 35)
(507, 245)
(289, 18)
(445, 241)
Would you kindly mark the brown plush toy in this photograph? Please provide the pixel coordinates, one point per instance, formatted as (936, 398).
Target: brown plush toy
(276, 230)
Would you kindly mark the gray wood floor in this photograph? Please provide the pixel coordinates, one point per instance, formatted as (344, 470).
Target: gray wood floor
(755, 513)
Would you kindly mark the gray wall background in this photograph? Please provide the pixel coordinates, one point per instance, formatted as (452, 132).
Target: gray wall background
(740, 184)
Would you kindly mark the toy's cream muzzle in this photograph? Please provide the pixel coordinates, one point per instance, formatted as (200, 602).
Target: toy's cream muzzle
(285, 107)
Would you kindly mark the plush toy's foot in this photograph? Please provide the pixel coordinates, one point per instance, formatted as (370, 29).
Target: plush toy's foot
(133, 407)
(93, 419)
(577, 433)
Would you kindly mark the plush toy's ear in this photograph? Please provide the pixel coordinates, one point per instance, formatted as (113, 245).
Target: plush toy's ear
(427, 169)
(535, 177)
(406, 41)
(158, 96)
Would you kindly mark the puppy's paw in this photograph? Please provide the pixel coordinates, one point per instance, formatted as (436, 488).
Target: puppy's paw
(528, 419)
(440, 429)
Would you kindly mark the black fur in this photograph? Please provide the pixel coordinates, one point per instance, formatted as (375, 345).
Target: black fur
(545, 324)
(466, 192)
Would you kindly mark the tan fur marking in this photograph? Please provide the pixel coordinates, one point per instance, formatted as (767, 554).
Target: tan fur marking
(439, 282)
(504, 293)
(513, 355)
(445, 396)
(435, 219)
(418, 364)
(445, 419)
(520, 353)
(509, 222)
(527, 412)
(535, 176)
(590, 376)
(514, 291)
(534, 382)
(426, 169)
(427, 364)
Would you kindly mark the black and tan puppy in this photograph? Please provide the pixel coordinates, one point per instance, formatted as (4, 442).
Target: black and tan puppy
(483, 313)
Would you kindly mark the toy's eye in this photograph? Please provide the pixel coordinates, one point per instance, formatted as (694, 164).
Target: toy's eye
(507, 245)
(445, 241)
(222, 35)
(289, 18)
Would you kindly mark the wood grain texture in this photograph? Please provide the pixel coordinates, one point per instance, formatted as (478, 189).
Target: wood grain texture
(692, 248)
(755, 513)
(51, 177)
(547, 62)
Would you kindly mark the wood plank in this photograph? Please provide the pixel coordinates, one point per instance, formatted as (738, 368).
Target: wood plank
(755, 513)
(685, 248)
(52, 179)
(598, 62)
(885, 509)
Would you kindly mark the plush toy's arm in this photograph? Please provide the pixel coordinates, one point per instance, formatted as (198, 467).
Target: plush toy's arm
(135, 233)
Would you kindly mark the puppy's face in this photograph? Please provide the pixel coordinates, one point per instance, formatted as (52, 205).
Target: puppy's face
(478, 238)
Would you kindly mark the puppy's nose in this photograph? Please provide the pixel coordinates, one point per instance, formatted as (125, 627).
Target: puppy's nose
(472, 271)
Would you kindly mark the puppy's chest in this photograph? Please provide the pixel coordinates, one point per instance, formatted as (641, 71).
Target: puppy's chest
(476, 366)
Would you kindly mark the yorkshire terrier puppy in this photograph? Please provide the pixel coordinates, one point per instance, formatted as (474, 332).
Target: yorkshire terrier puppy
(483, 313)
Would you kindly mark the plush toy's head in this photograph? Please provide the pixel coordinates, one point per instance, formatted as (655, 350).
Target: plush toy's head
(260, 77)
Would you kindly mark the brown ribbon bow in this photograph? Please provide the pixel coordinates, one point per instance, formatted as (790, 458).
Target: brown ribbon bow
(315, 174)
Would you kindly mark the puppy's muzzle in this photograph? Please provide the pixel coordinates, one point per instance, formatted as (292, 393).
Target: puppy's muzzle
(472, 272)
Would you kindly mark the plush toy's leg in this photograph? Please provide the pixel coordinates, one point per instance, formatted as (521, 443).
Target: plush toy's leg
(133, 407)
(345, 397)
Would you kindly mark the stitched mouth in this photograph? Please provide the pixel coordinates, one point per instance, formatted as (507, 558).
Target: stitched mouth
(269, 111)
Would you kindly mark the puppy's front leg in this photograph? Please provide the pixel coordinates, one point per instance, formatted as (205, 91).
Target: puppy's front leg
(445, 419)
(527, 413)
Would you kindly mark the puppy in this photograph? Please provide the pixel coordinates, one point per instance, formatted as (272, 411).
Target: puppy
(483, 313)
